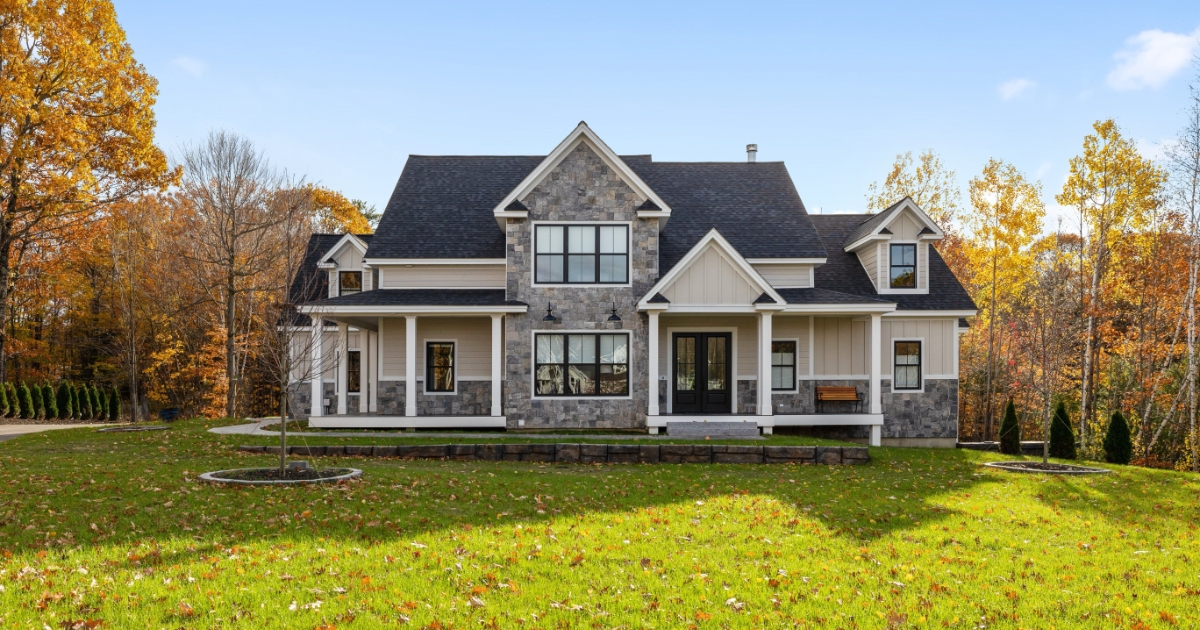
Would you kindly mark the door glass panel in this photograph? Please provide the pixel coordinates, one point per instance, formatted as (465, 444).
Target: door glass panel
(716, 364)
(685, 363)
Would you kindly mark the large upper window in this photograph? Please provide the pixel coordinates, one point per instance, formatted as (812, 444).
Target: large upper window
(582, 365)
(582, 254)
(906, 368)
(439, 366)
(783, 365)
(349, 282)
(904, 266)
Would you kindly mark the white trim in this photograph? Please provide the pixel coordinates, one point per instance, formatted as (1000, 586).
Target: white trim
(896, 210)
(841, 309)
(453, 364)
(790, 420)
(714, 238)
(389, 311)
(581, 134)
(886, 288)
(497, 376)
(763, 404)
(837, 377)
(920, 389)
(410, 365)
(382, 262)
(795, 366)
(652, 366)
(407, 422)
(348, 237)
(787, 261)
(533, 362)
(581, 285)
(939, 314)
(733, 343)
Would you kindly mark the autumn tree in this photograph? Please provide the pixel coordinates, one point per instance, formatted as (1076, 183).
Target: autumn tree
(333, 213)
(1113, 189)
(76, 126)
(1005, 218)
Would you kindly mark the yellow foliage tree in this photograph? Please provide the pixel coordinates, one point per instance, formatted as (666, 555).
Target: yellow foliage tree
(76, 125)
(1005, 218)
(333, 213)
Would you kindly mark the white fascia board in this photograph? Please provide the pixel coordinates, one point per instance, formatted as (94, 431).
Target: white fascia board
(787, 261)
(715, 309)
(388, 311)
(714, 237)
(864, 241)
(346, 238)
(918, 313)
(326, 265)
(841, 309)
(377, 262)
(581, 133)
(909, 204)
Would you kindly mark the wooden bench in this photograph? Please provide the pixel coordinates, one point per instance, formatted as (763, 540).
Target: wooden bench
(838, 393)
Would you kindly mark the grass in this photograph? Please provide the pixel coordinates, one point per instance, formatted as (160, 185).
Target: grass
(113, 528)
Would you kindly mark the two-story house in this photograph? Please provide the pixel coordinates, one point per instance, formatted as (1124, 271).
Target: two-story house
(583, 289)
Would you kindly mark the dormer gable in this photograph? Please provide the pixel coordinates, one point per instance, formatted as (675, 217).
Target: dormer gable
(712, 275)
(893, 248)
(346, 256)
(512, 207)
(904, 220)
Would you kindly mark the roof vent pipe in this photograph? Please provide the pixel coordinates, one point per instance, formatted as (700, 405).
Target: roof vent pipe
(751, 152)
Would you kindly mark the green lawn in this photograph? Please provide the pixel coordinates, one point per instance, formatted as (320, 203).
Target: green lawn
(113, 528)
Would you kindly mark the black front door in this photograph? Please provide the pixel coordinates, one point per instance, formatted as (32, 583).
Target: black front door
(702, 379)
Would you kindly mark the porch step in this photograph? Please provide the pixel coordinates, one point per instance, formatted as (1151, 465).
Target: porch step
(714, 430)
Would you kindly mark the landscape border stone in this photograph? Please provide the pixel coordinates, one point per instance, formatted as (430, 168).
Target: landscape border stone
(1075, 469)
(572, 453)
(216, 478)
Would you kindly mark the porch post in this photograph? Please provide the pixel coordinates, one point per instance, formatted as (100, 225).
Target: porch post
(372, 351)
(343, 366)
(410, 365)
(317, 369)
(652, 364)
(497, 363)
(876, 396)
(764, 364)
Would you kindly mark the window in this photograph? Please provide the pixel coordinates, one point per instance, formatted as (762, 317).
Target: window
(582, 365)
(349, 282)
(904, 266)
(582, 254)
(906, 368)
(439, 366)
(783, 365)
(354, 371)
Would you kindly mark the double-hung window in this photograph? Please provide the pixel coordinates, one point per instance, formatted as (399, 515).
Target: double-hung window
(349, 282)
(354, 371)
(904, 266)
(581, 365)
(581, 254)
(439, 366)
(906, 365)
(783, 365)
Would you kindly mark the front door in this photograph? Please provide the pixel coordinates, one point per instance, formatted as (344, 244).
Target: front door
(702, 379)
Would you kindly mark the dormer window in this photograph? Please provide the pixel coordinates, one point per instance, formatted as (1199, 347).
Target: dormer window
(349, 282)
(904, 266)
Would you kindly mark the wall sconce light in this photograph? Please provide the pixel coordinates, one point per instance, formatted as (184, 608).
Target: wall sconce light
(549, 314)
(614, 317)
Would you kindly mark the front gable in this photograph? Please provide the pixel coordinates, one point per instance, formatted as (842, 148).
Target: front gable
(712, 274)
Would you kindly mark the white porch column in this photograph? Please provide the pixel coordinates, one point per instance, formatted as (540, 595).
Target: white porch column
(652, 364)
(410, 365)
(372, 350)
(764, 364)
(343, 366)
(497, 363)
(317, 368)
(876, 342)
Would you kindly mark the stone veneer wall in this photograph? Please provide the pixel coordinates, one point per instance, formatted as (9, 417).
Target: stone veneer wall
(474, 398)
(300, 398)
(929, 414)
(747, 397)
(581, 188)
(804, 402)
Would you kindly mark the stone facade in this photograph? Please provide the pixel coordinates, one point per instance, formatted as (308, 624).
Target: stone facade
(390, 401)
(747, 397)
(804, 400)
(932, 413)
(581, 188)
(300, 398)
(472, 399)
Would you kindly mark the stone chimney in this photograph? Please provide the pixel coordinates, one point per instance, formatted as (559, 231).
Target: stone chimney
(751, 152)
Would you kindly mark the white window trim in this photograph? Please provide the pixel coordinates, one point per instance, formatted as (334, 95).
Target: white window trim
(453, 362)
(921, 365)
(886, 271)
(795, 368)
(584, 285)
(733, 342)
(533, 361)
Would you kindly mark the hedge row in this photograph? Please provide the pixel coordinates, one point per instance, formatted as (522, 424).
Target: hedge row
(67, 402)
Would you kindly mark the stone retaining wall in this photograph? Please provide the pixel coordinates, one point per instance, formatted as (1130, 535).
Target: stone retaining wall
(597, 453)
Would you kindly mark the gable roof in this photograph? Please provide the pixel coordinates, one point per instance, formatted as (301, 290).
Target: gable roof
(310, 282)
(354, 240)
(842, 271)
(877, 223)
(713, 239)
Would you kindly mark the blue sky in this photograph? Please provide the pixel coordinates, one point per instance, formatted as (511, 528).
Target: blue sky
(342, 92)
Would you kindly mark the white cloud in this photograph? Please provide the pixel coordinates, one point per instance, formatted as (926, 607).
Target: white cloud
(1151, 57)
(190, 65)
(1012, 89)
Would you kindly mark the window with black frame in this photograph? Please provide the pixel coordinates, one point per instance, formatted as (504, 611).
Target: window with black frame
(353, 371)
(349, 282)
(906, 368)
(904, 266)
(581, 254)
(581, 365)
(439, 366)
(783, 365)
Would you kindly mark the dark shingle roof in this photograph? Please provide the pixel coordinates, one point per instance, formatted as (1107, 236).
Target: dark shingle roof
(826, 296)
(844, 273)
(442, 207)
(311, 283)
(659, 298)
(872, 222)
(422, 297)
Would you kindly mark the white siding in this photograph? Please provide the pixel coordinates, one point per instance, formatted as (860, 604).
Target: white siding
(472, 337)
(869, 256)
(840, 347)
(791, 327)
(923, 266)
(711, 279)
(792, 276)
(393, 348)
(489, 276)
(349, 259)
(939, 359)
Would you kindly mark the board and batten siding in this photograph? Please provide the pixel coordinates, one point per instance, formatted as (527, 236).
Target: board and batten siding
(840, 347)
(938, 351)
(788, 275)
(786, 327)
(473, 345)
(489, 276)
(711, 279)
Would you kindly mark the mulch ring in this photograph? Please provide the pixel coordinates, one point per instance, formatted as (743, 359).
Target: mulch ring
(271, 476)
(1047, 468)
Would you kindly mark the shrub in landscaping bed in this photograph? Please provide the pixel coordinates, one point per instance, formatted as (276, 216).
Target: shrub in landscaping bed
(1010, 432)
(49, 402)
(1062, 436)
(14, 405)
(4, 407)
(35, 397)
(114, 404)
(84, 403)
(65, 410)
(25, 400)
(1118, 446)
